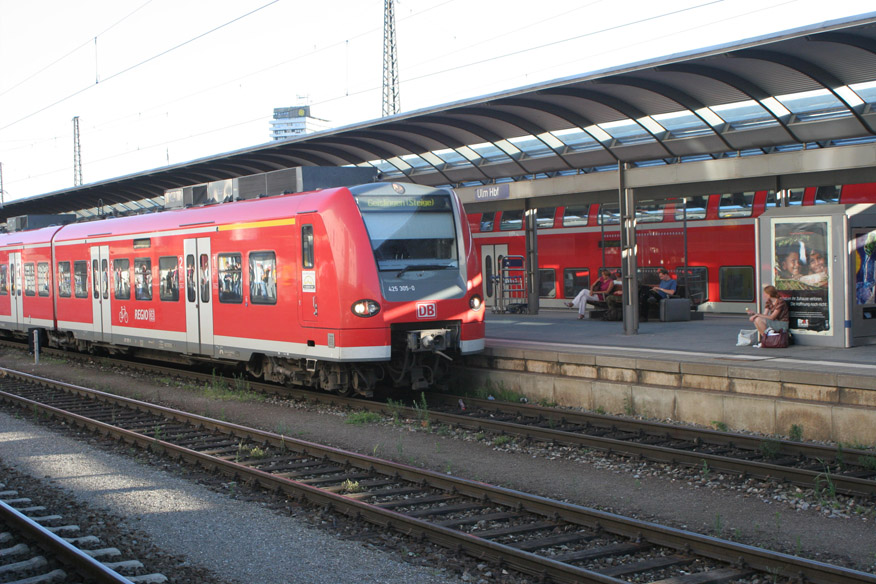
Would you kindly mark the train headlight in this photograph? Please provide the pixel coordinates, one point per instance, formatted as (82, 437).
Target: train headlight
(476, 302)
(365, 308)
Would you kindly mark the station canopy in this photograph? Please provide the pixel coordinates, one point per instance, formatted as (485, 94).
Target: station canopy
(802, 89)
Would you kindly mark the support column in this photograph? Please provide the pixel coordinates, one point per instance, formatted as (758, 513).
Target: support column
(530, 222)
(629, 268)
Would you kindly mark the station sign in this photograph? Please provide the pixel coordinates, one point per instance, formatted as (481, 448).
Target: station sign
(492, 192)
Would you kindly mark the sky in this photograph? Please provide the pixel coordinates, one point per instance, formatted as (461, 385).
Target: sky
(162, 82)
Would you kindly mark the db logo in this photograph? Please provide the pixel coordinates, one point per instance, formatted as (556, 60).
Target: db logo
(427, 310)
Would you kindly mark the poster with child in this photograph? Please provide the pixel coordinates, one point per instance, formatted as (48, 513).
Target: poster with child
(802, 271)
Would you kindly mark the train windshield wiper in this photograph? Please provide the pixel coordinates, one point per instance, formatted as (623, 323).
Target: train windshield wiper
(424, 267)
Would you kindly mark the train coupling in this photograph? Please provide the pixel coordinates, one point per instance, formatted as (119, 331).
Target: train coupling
(432, 340)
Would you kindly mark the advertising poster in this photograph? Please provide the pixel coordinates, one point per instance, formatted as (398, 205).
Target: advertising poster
(865, 268)
(802, 271)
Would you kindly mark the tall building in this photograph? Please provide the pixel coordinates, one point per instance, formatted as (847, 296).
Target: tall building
(294, 121)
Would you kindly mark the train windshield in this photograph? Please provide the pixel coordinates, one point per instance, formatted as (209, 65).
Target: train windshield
(412, 231)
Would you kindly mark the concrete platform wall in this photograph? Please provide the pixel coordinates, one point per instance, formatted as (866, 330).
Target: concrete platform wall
(826, 406)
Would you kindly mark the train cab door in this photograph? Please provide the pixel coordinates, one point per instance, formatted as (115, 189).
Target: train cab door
(199, 301)
(308, 303)
(17, 300)
(491, 258)
(101, 311)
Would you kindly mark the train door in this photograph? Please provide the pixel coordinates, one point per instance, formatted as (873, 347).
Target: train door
(101, 315)
(491, 256)
(199, 306)
(308, 303)
(17, 299)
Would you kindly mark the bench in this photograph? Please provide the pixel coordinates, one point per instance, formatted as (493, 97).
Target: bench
(595, 309)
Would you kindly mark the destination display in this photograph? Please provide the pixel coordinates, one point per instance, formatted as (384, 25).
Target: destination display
(438, 202)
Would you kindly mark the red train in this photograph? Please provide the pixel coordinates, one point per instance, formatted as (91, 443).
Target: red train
(575, 241)
(335, 289)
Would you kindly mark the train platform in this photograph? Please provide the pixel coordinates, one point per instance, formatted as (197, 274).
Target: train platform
(712, 339)
(690, 372)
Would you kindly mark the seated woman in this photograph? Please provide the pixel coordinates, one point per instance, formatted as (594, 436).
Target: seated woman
(601, 287)
(775, 315)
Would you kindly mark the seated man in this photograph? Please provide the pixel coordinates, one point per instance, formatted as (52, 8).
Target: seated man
(665, 289)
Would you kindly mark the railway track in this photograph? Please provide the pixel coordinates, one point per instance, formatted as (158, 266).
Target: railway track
(846, 470)
(38, 547)
(840, 470)
(550, 540)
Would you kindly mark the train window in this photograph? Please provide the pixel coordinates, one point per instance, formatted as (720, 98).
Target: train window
(80, 279)
(576, 216)
(4, 274)
(143, 278)
(122, 279)
(575, 280)
(488, 276)
(43, 278)
(487, 219)
(511, 220)
(736, 204)
(827, 195)
(29, 280)
(648, 276)
(191, 286)
(736, 283)
(64, 280)
(168, 276)
(545, 217)
(795, 197)
(204, 275)
(230, 278)
(649, 212)
(104, 278)
(693, 283)
(772, 200)
(306, 246)
(94, 279)
(547, 283)
(263, 277)
(609, 215)
(416, 230)
(692, 208)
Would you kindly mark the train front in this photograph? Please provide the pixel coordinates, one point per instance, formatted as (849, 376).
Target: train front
(429, 275)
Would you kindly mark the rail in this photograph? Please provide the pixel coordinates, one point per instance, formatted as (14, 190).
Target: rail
(523, 532)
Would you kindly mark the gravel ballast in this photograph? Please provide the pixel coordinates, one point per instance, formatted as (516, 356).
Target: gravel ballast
(239, 541)
(781, 517)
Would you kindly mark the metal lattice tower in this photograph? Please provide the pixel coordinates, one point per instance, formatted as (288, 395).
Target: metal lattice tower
(391, 100)
(77, 154)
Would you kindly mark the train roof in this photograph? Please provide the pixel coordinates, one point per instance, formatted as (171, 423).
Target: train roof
(32, 237)
(282, 206)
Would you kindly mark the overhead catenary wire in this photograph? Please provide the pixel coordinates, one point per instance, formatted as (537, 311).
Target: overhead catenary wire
(71, 52)
(361, 91)
(140, 64)
(339, 43)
